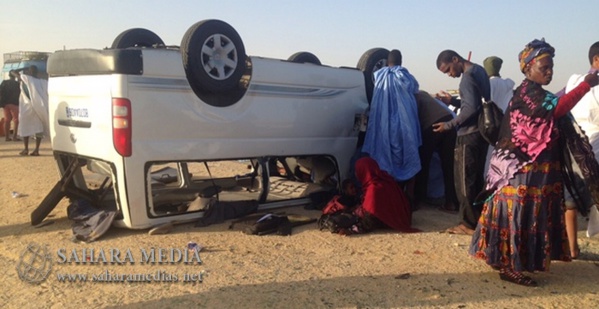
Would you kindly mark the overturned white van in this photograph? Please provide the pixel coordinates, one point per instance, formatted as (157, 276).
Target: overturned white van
(156, 132)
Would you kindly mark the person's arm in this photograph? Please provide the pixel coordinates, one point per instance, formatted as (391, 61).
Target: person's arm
(448, 99)
(470, 98)
(567, 101)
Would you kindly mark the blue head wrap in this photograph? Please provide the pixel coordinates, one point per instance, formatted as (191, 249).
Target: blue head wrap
(533, 50)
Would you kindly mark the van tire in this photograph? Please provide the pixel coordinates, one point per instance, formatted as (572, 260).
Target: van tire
(48, 204)
(206, 72)
(372, 60)
(304, 57)
(136, 37)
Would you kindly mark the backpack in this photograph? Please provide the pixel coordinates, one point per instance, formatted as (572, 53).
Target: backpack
(489, 122)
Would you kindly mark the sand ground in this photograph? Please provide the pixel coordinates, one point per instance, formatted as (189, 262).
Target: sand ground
(309, 269)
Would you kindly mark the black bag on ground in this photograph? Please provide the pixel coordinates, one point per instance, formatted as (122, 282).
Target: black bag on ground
(254, 225)
(225, 210)
(489, 121)
(269, 224)
(337, 221)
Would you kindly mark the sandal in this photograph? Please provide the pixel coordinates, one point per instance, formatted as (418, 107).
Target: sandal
(8, 139)
(23, 153)
(516, 277)
(35, 154)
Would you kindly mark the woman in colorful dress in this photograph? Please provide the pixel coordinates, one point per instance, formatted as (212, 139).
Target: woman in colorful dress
(522, 224)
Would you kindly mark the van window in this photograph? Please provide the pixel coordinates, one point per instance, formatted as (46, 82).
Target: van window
(184, 187)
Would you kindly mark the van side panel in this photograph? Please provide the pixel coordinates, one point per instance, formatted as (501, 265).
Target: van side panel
(309, 109)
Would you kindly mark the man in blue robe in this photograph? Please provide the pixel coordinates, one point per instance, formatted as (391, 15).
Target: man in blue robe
(393, 134)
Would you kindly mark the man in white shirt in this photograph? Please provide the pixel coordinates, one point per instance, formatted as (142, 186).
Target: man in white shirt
(586, 113)
(502, 90)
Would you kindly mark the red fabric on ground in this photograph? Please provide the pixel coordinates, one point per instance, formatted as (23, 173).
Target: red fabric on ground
(383, 197)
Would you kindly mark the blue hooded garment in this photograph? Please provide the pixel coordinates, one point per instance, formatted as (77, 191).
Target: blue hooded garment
(393, 133)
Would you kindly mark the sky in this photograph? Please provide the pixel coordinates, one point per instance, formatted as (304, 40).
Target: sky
(337, 32)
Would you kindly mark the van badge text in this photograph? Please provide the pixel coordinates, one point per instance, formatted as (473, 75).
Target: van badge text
(77, 112)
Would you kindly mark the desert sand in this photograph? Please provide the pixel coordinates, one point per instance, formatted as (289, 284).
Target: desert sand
(309, 269)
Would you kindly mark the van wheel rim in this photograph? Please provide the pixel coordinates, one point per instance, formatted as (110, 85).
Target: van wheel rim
(219, 57)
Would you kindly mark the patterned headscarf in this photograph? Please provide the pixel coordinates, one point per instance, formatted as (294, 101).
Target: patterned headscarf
(535, 50)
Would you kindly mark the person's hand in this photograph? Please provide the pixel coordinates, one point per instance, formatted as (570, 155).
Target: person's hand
(592, 78)
(439, 127)
(444, 97)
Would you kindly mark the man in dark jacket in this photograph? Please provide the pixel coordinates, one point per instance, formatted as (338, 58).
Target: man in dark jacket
(471, 148)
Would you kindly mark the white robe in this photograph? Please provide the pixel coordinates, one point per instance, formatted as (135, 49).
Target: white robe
(502, 90)
(33, 109)
(586, 111)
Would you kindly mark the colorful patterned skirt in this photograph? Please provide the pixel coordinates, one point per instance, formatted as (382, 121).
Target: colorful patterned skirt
(522, 225)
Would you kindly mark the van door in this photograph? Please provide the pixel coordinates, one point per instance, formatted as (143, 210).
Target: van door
(81, 114)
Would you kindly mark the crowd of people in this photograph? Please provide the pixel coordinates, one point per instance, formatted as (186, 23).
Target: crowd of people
(519, 198)
(24, 98)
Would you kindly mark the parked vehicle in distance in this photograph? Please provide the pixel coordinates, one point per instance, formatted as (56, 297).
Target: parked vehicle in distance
(24, 59)
(159, 132)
